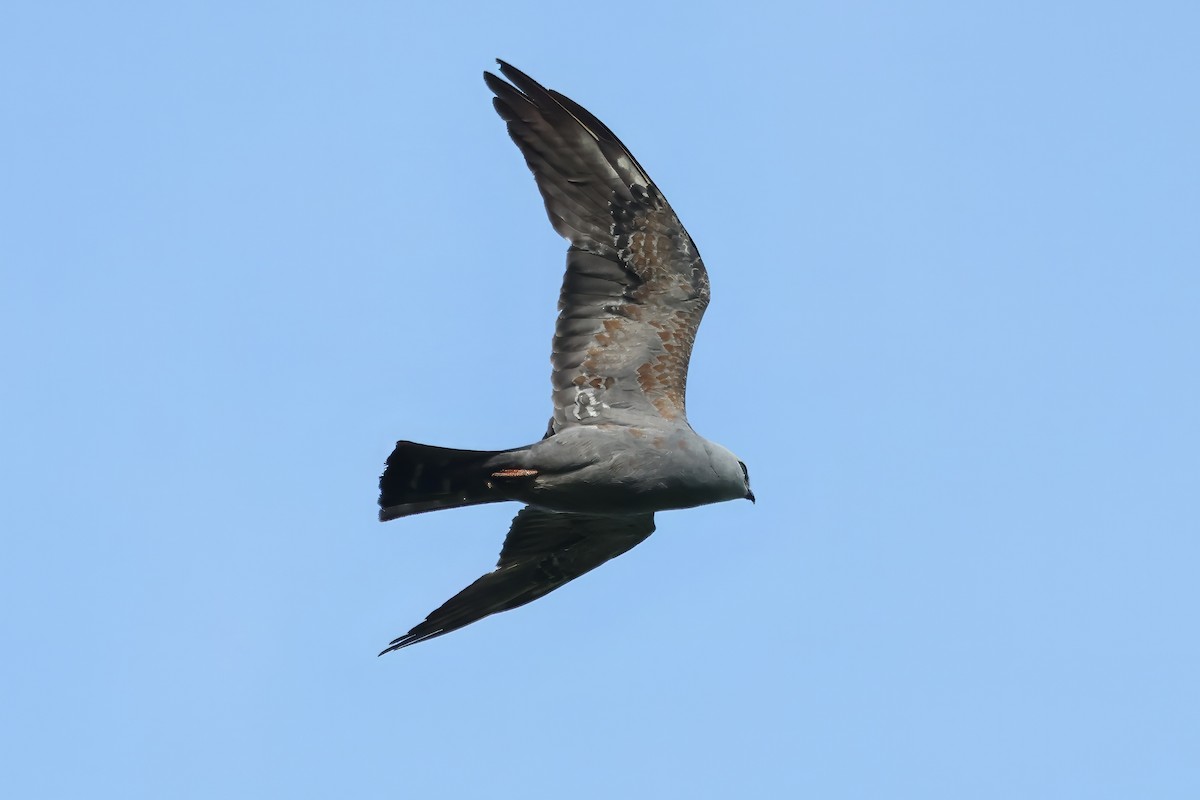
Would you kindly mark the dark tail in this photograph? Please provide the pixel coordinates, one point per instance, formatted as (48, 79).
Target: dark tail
(419, 478)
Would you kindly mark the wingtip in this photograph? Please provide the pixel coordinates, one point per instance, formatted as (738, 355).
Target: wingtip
(410, 638)
(395, 644)
(522, 82)
(502, 65)
(495, 83)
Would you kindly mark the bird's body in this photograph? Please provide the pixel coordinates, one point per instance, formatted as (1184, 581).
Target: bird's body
(602, 469)
(619, 446)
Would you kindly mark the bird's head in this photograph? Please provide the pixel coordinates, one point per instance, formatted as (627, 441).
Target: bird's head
(735, 478)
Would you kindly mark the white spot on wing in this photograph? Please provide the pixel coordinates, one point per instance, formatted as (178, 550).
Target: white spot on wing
(586, 404)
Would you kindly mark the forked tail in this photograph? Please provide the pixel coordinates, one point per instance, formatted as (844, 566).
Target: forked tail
(420, 477)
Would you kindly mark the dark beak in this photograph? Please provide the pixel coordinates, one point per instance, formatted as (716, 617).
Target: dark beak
(750, 495)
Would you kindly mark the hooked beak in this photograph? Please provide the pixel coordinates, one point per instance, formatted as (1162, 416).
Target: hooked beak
(750, 496)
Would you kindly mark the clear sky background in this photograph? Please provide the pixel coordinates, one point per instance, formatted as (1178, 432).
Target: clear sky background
(955, 256)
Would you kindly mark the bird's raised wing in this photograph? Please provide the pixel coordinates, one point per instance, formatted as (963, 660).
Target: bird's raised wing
(635, 287)
(543, 550)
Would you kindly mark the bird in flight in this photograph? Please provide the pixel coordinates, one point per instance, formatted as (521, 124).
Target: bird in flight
(619, 446)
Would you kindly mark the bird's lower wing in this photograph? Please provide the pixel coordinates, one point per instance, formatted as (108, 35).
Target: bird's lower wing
(543, 551)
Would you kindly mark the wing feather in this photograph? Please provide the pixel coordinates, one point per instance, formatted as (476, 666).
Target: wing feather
(635, 287)
(543, 551)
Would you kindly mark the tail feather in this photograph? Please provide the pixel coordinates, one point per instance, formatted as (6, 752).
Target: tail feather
(420, 477)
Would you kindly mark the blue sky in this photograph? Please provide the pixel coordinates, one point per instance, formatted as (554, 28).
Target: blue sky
(956, 274)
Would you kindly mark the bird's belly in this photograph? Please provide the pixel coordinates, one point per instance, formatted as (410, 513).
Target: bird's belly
(620, 470)
(611, 489)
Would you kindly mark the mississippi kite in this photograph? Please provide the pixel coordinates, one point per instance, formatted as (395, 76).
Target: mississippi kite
(619, 446)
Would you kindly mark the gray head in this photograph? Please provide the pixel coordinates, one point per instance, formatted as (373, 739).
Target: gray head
(732, 472)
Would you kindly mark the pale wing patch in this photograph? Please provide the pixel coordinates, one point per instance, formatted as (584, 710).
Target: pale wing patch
(635, 288)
